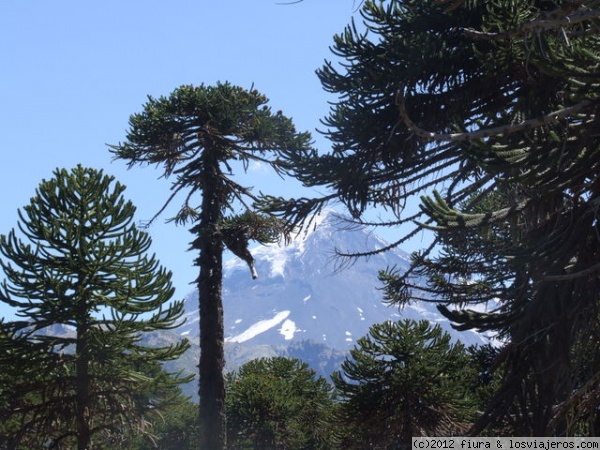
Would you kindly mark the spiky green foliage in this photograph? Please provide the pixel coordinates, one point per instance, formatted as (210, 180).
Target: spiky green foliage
(472, 268)
(175, 428)
(278, 403)
(203, 128)
(196, 135)
(450, 100)
(404, 379)
(79, 263)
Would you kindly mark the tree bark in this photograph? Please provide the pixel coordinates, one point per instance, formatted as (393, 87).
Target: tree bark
(212, 356)
(82, 386)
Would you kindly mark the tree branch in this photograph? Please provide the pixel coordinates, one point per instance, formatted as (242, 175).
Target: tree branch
(572, 276)
(504, 130)
(549, 21)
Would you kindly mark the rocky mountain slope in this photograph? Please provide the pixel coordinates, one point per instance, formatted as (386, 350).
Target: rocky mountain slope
(304, 304)
(302, 293)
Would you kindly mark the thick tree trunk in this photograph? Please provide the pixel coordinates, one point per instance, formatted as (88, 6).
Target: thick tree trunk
(212, 356)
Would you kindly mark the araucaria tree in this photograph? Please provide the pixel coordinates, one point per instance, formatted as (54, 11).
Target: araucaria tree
(79, 262)
(404, 379)
(450, 100)
(197, 134)
(278, 403)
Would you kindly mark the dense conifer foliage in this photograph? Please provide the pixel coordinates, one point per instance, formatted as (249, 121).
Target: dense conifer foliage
(452, 100)
(77, 272)
(278, 403)
(473, 120)
(175, 428)
(196, 134)
(404, 379)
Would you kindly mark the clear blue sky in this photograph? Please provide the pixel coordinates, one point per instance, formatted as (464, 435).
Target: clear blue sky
(73, 72)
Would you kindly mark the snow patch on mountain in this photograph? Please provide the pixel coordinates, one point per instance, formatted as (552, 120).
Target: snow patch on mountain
(259, 327)
(277, 256)
(288, 329)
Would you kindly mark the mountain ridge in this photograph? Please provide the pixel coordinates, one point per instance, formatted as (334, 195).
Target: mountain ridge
(302, 305)
(302, 295)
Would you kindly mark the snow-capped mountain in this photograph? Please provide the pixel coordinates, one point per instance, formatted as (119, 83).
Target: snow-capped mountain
(303, 295)
(303, 304)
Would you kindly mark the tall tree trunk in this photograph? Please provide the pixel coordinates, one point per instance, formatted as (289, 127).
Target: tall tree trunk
(82, 387)
(212, 355)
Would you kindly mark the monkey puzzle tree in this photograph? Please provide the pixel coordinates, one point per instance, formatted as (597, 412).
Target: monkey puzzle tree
(196, 134)
(404, 379)
(278, 403)
(467, 97)
(79, 262)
